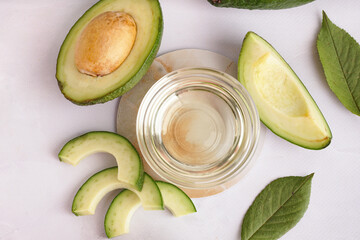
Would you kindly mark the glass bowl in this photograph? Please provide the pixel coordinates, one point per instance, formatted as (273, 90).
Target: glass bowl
(198, 128)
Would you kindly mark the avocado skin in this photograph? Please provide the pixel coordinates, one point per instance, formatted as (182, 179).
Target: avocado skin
(319, 147)
(131, 82)
(259, 4)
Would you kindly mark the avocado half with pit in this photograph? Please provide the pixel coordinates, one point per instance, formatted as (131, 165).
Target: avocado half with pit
(284, 104)
(109, 49)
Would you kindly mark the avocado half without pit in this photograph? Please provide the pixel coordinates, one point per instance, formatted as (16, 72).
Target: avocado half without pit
(284, 104)
(109, 49)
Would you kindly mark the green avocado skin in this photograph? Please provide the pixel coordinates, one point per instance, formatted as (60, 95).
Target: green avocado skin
(259, 4)
(131, 82)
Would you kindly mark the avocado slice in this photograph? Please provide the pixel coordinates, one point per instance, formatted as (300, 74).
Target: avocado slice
(124, 205)
(176, 199)
(105, 181)
(131, 170)
(284, 104)
(120, 212)
(129, 60)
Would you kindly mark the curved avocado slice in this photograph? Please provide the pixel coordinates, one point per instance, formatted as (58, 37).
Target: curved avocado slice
(131, 169)
(120, 212)
(122, 208)
(284, 104)
(105, 181)
(83, 89)
(176, 199)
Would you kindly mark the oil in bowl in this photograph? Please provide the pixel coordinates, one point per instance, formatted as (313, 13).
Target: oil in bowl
(197, 128)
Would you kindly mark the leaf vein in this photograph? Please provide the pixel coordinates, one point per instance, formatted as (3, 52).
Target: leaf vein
(340, 63)
(293, 193)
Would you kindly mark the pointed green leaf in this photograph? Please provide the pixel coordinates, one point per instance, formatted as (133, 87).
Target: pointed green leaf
(277, 209)
(340, 57)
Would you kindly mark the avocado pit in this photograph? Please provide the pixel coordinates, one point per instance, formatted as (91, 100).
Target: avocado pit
(105, 43)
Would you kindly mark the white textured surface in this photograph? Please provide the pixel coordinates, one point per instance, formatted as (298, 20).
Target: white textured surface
(37, 190)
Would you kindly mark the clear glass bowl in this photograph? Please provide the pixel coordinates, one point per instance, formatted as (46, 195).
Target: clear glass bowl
(198, 128)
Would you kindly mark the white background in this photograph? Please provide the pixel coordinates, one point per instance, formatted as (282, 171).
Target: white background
(36, 190)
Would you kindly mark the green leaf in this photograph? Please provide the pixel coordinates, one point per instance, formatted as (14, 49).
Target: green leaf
(277, 209)
(259, 4)
(340, 57)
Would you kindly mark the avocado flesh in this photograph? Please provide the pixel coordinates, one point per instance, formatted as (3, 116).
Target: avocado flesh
(284, 104)
(97, 186)
(120, 212)
(130, 170)
(83, 89)
(176, 199)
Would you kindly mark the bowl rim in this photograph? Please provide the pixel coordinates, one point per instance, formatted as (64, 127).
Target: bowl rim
(196, 182)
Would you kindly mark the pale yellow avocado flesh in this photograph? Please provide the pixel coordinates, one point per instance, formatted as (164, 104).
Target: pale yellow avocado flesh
(131, 169)
(176, 199)
(121, 210)
(103, 182)
(284, 104)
